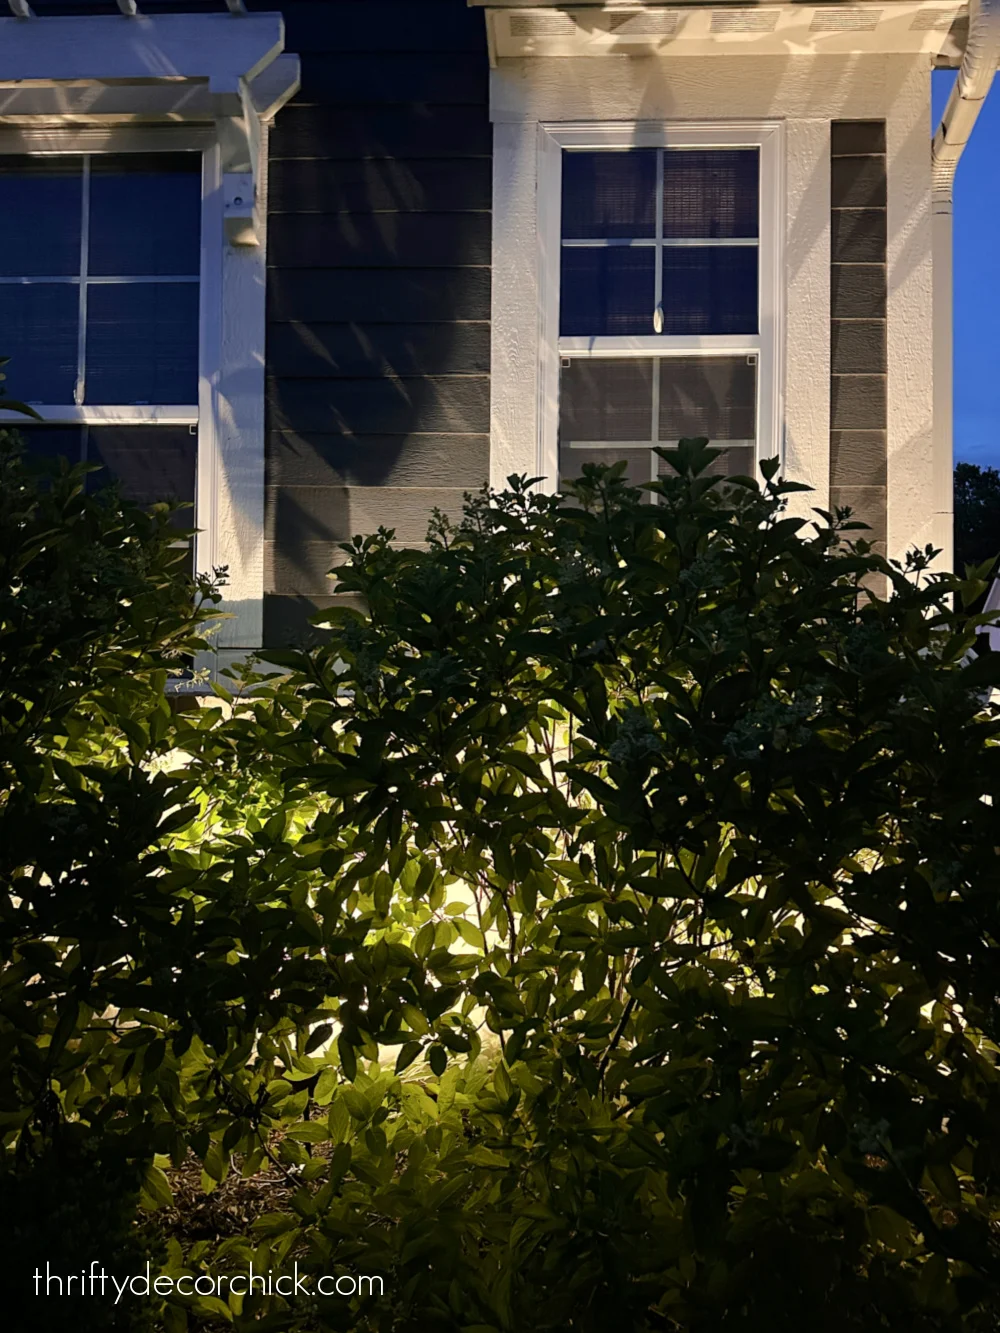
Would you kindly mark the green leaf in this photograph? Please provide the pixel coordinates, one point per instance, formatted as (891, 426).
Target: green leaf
(408, 1052)
(348, 1060)
(311, 1131)
(156, 1189)
(415, 1019)
(505, 1089)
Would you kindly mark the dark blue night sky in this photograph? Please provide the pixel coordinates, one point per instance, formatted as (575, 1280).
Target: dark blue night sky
(977, 284)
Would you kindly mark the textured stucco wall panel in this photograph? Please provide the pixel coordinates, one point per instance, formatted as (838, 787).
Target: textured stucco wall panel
(655, 88)
(807, 312)
(514, 357)
(912, 502)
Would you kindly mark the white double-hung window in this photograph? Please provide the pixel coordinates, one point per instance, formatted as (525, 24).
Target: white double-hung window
(100, 295)
(133, 153)
(660, 294)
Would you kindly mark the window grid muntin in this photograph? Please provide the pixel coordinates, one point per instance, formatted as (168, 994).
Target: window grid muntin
(658, 269)
(80, 388)
(84, 280)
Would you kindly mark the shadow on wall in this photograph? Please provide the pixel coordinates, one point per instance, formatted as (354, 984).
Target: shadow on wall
(379, 252)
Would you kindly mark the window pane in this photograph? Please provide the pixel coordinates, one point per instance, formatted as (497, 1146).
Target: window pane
(152, 463)
(606, 402)
(605, 398)
(145, 214)
(609, 194)
(711, 396)
(710, 289)
(710, 193)
(38, 324)
(607, 291)
(639, 462)
(142, 343)
(40, 209)
(53, 442)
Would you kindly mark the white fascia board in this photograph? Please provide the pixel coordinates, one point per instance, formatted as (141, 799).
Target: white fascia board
(222, 48)
(634, 28)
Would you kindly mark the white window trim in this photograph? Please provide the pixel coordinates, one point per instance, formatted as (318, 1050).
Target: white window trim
(110, 83)
(136, 414)
(69, 141)
(768, 136)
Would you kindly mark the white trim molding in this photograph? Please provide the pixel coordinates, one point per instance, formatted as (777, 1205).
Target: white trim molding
(527, 209)
(116, 83)
(518, 29)
(130, 414)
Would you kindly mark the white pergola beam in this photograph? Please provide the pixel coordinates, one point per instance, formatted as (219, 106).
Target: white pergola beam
(223, 48)
(174, 100)
(226, 68)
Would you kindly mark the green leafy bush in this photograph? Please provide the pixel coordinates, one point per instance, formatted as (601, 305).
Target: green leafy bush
(71, 1211)
(603, 929)
(704, 834)
(977, 515)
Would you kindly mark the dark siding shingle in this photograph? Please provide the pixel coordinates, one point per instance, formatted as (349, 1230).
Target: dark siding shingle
(858, 291)
(379, 240)
(379, 295)
(389, 77)
(359, 350)
(858, 236)
(452, 404)
(858, 182)
(379, 252)
(392, 134)
(858, 309)
(323, 460)
(857, 347)
(848, 138)
(417, 185)
(363, 26)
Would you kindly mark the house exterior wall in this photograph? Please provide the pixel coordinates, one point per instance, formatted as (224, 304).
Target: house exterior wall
(807, 93)
(402, 216)
(378, 286)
